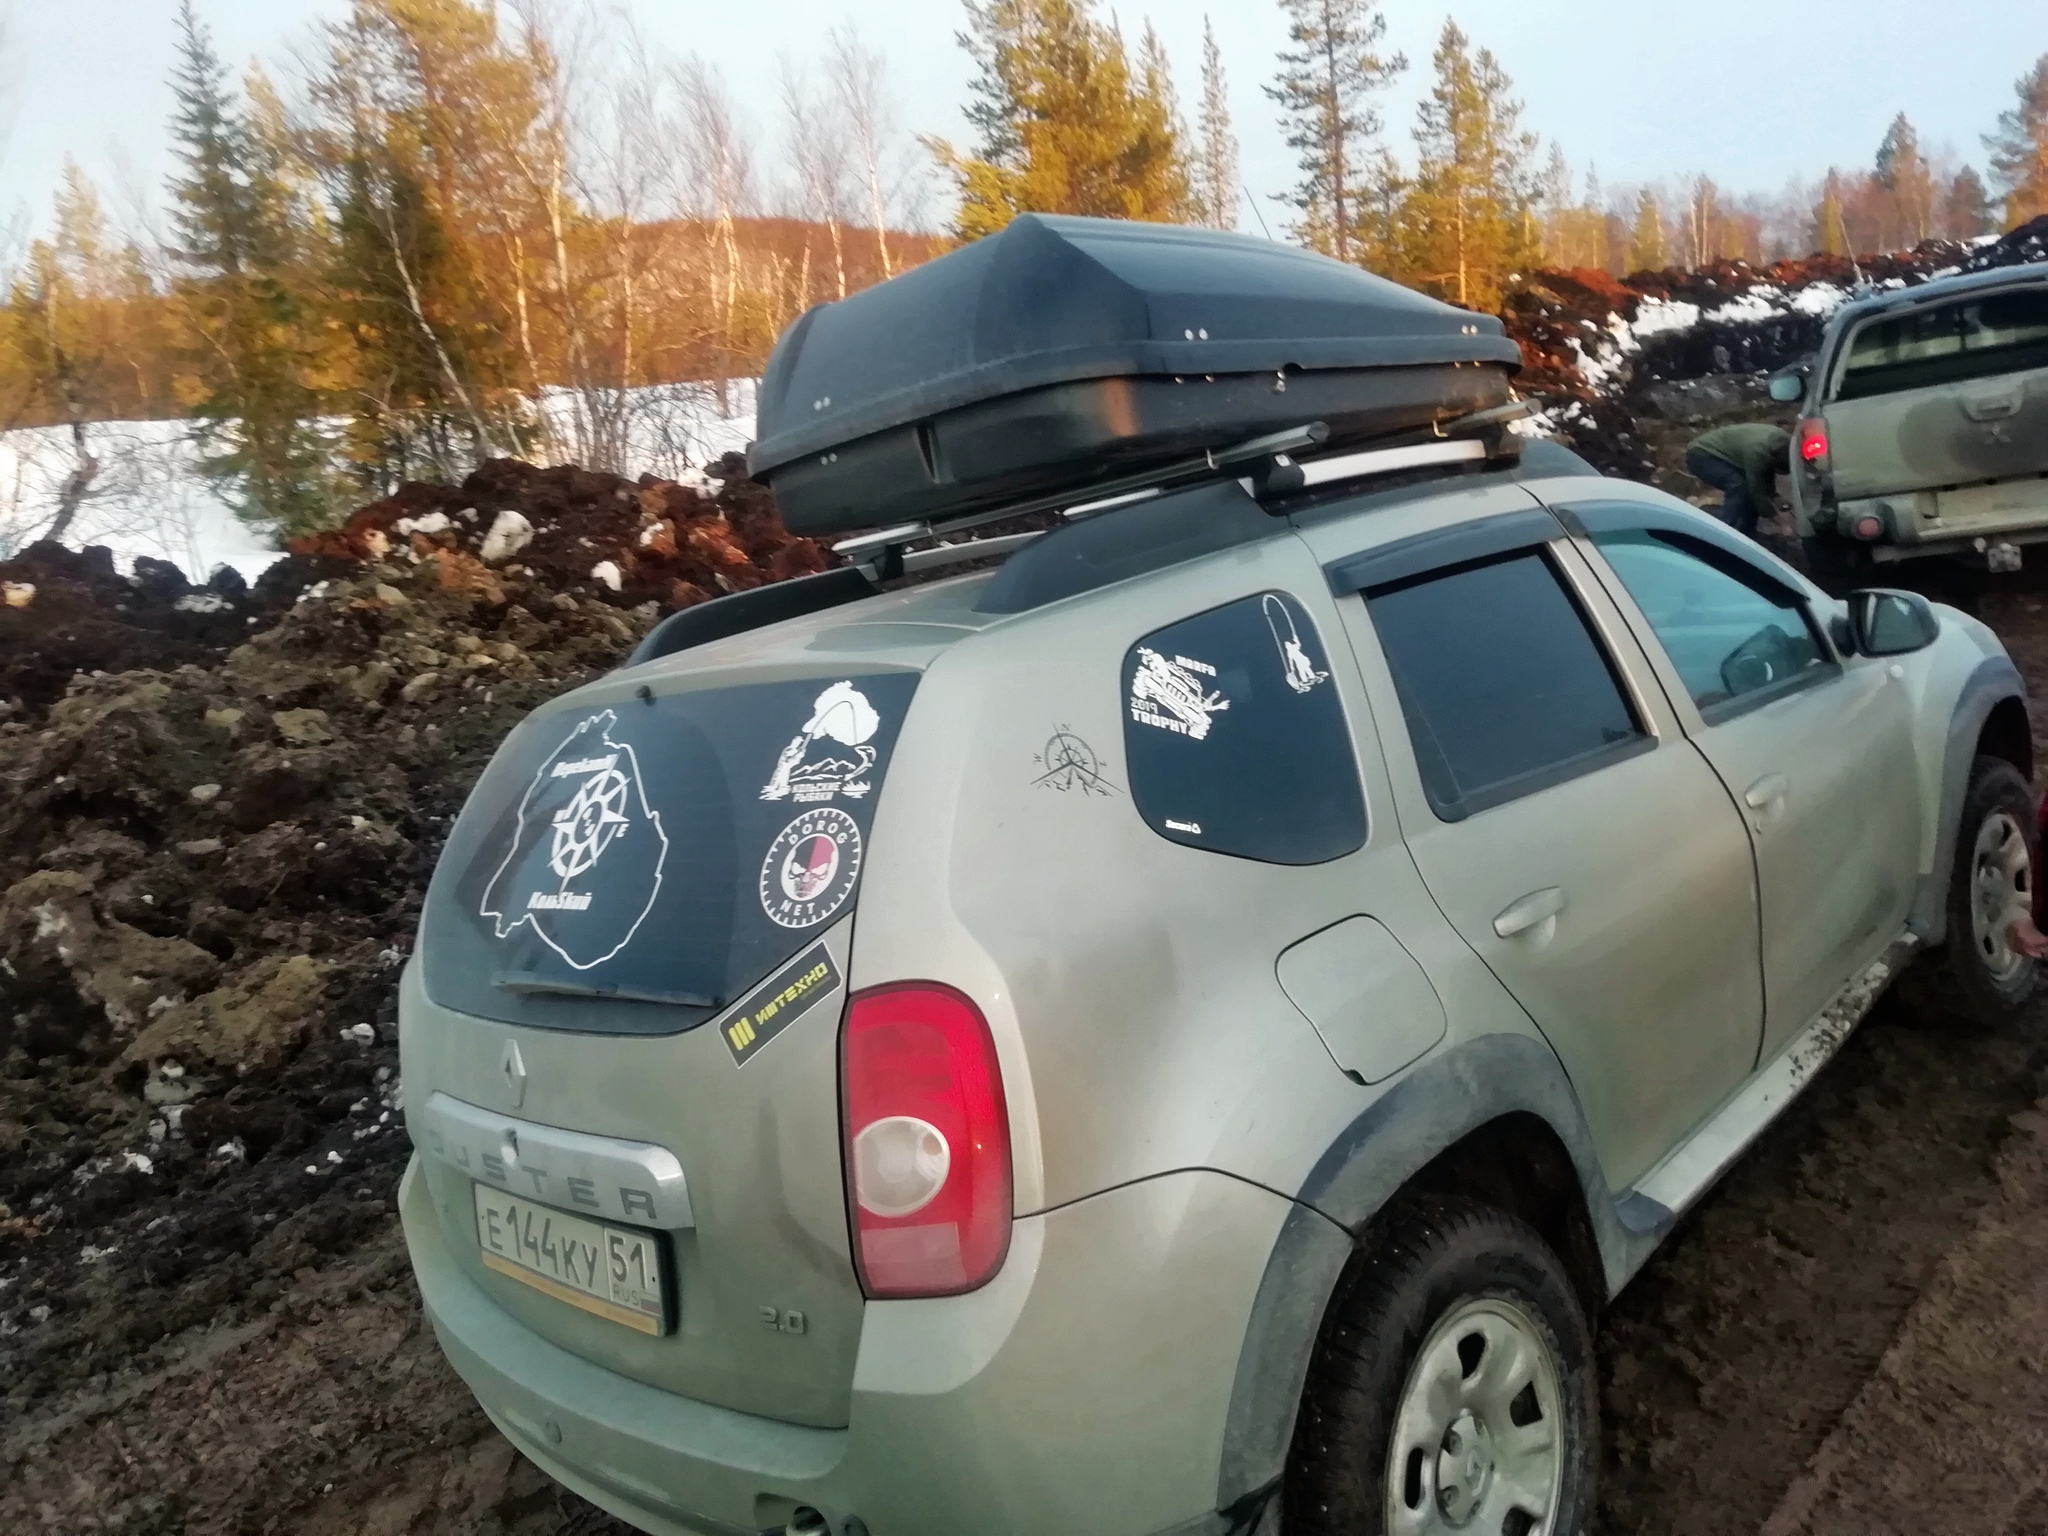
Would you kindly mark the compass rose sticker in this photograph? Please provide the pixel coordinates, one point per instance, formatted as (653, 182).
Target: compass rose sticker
(587, 850)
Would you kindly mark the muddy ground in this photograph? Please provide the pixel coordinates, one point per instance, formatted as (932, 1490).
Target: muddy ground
(217, 809)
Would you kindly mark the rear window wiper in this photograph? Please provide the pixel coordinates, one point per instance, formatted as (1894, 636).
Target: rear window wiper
(528, 984)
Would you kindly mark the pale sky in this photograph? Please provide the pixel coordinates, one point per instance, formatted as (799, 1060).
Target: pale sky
(1750, 92)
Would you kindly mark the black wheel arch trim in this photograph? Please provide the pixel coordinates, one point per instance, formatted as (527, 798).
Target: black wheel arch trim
(1400, 1133)
(1994, 680)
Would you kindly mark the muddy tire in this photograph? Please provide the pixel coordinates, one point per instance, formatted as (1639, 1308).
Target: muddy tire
(1974, 978)
(1453, 1386)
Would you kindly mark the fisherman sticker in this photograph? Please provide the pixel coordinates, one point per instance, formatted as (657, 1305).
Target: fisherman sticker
(587, 850)
(1300, 673)
(830, 755)
(1174, 695)
(811, 868)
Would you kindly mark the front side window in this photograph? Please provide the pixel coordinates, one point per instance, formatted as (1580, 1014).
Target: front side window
(1730, 633)
(1505, 688)
(1235, 739)
(1947, 343)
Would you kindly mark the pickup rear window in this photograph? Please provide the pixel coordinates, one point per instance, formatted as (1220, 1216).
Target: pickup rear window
(1947, 343)
(633, 868)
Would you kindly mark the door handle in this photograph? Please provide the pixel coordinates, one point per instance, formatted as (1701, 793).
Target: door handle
(1766, 791)
(1536, 907)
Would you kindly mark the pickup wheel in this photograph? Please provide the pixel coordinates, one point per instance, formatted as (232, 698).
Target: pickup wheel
(1452, 1388)
(1976, 978)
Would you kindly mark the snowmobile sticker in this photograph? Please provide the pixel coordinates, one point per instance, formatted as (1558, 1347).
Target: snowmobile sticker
(585, 811)
(1295, 667)
(842, 717)
(1173, 696)
(811, 868)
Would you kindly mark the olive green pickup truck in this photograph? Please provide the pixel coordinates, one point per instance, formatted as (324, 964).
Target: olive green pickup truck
(1925, 425)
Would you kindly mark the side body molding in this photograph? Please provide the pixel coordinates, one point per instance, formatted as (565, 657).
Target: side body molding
(1399, 1134)
(1992, 681)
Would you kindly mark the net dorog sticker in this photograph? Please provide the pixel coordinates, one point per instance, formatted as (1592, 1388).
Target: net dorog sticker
(811, 868)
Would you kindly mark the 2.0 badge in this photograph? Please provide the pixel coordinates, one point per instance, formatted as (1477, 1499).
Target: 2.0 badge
(811, 868)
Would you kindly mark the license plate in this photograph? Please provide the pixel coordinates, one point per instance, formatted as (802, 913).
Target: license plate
(614, 1272)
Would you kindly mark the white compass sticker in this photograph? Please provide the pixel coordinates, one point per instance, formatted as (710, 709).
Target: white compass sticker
(587, 850)
(811, 868)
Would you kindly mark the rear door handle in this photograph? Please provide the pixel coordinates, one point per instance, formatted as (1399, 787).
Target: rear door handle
(1536, 907)
(1766, 791)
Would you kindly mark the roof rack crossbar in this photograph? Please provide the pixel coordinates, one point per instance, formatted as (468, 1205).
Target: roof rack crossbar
(1479, 434)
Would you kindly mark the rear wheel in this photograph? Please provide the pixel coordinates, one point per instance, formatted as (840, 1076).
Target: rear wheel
(1976, 976)
(1452, 1390)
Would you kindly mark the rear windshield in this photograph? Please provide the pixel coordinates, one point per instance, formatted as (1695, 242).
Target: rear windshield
(1948, 343)
(634, 868)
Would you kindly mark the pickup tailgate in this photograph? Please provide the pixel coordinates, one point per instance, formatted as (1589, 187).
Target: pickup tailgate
(1952, 395)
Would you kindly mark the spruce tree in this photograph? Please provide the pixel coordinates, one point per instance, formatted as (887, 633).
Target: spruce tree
(1468, 219)
(1066, 125)
(2019, 148)
(1646, 239)
(1215, 173)
(1966, 210)
(256, 421)
(1329, 75)
(1902, 171)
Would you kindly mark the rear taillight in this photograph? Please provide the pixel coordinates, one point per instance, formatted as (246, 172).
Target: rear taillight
(1813, 443)
(927, 1142)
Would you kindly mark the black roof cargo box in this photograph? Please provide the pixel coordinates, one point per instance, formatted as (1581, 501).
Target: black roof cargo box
(1065, 351)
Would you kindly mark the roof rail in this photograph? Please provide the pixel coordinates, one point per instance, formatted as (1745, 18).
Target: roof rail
(1270, 463)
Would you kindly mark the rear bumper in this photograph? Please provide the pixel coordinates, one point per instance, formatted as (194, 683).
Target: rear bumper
(1085, 1389)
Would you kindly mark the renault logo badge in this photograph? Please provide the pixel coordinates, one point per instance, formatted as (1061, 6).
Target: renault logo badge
(515, 1072)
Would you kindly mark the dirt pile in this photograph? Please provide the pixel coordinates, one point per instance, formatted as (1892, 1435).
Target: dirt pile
(218, 809)
(626, 542)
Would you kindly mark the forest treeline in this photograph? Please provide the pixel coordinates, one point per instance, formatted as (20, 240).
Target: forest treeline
(458, 229)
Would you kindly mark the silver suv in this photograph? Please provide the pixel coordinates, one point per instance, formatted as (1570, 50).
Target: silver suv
(1134, 1043)
(1180, 1030)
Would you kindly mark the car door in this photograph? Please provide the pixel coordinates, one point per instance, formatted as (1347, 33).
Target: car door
(1562, 822)
(1817, 748)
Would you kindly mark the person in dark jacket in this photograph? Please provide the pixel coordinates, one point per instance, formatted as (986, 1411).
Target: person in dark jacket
(1740, 462)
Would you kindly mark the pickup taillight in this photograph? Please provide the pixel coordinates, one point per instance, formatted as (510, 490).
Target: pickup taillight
(1813, 443)
(927, 1142)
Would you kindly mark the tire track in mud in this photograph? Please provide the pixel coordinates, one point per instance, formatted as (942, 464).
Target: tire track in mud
(1737, 1352)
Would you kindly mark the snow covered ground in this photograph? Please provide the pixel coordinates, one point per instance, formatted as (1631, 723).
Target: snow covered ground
(149, 498)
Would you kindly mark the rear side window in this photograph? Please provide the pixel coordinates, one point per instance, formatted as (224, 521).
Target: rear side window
(634, 868)
(1235, 739)
(1947, 343)
(1731, 634)
(1505, 688)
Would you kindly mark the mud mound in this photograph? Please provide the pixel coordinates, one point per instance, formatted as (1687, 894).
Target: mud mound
(63, 612)
(218, 810)
(627, 542)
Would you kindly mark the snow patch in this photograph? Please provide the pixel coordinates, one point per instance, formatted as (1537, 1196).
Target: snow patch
(510, 533)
